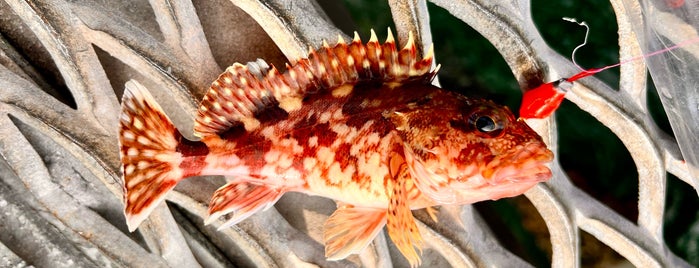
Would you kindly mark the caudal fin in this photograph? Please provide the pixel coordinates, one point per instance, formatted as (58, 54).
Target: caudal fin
(150, 163)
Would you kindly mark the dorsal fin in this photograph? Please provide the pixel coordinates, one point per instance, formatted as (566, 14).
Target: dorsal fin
(246, 94)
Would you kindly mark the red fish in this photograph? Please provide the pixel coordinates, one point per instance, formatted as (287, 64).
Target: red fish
(357, 123)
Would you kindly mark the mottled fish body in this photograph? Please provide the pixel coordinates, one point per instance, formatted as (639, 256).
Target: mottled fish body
(358, 123)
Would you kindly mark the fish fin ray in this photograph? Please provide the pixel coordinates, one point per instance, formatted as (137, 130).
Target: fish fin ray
(254, 94)
(400, 223)
(350, 229)
(150, 163)
(236, 98)
(243, 199)
(432, 212)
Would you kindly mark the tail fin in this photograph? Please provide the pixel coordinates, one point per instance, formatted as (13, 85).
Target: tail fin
(150, 163)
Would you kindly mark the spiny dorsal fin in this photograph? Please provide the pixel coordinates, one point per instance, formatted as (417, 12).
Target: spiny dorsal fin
(243, 97)
(235, 98)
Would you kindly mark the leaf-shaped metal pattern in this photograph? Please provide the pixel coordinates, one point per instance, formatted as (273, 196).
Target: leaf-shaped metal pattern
(63, 65)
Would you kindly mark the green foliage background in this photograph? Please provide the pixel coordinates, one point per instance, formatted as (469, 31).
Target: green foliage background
(594, 158)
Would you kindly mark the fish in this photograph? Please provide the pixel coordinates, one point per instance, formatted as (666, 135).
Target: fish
(359, 123)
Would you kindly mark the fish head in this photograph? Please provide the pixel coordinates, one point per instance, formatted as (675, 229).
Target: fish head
(462, 150)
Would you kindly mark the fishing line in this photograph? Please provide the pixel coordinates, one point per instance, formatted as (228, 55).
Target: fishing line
(542, 101)
(591, 71)
(587, 33)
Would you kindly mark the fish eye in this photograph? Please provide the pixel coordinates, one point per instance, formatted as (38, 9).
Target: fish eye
(485, 124)
(490, 125)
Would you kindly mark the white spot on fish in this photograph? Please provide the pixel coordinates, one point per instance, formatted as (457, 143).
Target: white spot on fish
(337, 175)
(290, 104)
(128, 135)
(337, 114)
(143, 164)
(322, 70)
(285, 161)
(148, 153)
(340, 129)
(325, 155)
(309, 163)
(324, 117)
(268, 132)
(372, 138)
(313, 141)
(129, 170)
(342, 91)
(137, 123)
(143, 140)
(291, 145)
(272, 156)
(250, 123)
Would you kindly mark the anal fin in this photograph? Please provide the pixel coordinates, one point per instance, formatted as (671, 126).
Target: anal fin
(350, 229)
(243, 198)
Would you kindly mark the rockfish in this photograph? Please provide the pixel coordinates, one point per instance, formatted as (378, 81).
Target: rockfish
(358, 123)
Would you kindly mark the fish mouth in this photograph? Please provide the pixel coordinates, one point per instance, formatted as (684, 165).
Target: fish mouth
(528, 164)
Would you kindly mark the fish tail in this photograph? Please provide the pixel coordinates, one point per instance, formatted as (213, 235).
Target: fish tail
(149, 157)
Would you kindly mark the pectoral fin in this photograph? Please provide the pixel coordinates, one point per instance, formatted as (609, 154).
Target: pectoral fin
(400, 223)
(350, 229)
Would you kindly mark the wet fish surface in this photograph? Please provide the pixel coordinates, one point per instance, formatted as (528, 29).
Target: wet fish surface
(358, 123)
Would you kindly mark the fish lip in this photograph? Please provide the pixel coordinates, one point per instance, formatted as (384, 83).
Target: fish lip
(530, 164)
(538, 173)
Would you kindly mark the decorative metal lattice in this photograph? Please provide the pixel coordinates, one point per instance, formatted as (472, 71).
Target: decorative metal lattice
(63, 66)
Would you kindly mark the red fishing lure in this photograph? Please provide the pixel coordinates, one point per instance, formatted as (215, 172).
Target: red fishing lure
(543, 100)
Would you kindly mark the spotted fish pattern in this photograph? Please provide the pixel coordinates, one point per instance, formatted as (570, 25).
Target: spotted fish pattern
(356, 122)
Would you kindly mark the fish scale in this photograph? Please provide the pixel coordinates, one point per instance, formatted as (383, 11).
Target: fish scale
(357, 123)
